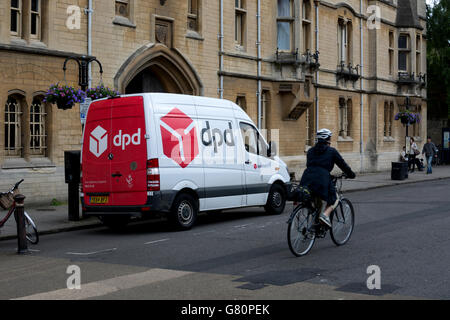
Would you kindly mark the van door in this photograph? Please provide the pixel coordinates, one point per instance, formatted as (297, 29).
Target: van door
(128, 152)
(256, 187)
(96, 166)
(115, 153)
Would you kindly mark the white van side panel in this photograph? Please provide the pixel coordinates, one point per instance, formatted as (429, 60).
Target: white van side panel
(223, 168)
(177, 132)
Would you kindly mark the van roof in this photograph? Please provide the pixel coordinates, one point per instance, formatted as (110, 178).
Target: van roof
(159, 97)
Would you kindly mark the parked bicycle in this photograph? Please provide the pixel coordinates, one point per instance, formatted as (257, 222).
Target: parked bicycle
(7, 202)
(304, 225)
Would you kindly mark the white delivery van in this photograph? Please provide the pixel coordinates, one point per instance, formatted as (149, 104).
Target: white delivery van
(176, 154)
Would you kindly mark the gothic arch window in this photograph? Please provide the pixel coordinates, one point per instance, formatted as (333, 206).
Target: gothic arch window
(38, 127)
(13, 126)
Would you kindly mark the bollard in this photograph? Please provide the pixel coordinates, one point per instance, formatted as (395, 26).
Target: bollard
(20, 220)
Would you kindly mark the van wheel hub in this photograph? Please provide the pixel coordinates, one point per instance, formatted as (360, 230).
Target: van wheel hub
(185, 212)
(276, 199)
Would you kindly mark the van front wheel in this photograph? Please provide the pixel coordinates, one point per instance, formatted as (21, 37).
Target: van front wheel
(276, 200)
(184, 212)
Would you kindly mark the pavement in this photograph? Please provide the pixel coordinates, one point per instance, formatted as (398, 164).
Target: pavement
(54, 219)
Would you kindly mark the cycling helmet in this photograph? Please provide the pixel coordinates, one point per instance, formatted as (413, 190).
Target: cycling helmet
(324, 134)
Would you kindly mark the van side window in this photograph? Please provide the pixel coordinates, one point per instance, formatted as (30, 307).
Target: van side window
(249, 137)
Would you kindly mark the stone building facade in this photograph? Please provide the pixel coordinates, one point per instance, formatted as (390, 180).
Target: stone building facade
(293, 65)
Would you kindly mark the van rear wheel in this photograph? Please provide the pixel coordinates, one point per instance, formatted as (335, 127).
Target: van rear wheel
(276, 200)
(184, 212)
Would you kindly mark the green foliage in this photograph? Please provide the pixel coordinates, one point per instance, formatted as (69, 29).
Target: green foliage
(438, 59)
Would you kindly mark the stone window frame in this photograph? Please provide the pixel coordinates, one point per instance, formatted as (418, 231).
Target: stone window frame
(241, 101)
(418, 53)
(391, 49)
(291, 20)
(345, 28)
(193, 15)
(306, 24)
(122, 20)
(15, 124)
(388, 121)
(240, 29)
(406, 51)
(18, 33)
(345, 115)
(39, 127)
(38, 14)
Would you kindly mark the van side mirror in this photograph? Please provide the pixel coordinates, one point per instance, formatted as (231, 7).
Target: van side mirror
(272, 150)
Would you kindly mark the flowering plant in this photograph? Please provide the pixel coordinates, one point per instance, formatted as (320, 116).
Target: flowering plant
(64, 96)
(408, 117)
(101, 92)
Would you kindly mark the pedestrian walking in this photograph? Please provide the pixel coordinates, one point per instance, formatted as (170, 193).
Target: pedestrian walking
(413, 152)
(430, 151)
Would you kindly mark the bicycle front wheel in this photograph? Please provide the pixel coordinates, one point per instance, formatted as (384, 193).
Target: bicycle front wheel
(342, 222)
(301, 235)
(31, 230)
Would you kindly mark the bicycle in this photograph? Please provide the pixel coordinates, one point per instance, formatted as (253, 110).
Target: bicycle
(304, 225)
(7, 202)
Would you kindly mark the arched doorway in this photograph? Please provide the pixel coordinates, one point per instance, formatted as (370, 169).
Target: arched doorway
(145, 81)
(156, 68)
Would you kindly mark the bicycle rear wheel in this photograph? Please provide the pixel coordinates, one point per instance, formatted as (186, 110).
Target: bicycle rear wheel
(301, 235)
(342, 222)
(31, 230)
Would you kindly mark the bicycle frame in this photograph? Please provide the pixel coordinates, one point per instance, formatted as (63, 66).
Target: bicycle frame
(8, 215)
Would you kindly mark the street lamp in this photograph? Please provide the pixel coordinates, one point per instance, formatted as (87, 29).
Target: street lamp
(72, 158)
(83, 69)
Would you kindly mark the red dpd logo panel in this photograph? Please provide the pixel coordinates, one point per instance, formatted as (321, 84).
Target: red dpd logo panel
(179, 138)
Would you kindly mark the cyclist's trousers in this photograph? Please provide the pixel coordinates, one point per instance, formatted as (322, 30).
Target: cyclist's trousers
(334, 206)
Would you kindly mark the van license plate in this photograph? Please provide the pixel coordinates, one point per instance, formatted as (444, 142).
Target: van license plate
(99, 199)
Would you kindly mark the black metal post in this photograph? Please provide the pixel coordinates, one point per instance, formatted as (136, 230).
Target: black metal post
(74, 202)
(83, 81)
(22, 245)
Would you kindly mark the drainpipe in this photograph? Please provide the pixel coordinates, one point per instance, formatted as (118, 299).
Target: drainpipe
(316, 31)
(89, 39)
(258, 46)
(361, 143)
(221, 52)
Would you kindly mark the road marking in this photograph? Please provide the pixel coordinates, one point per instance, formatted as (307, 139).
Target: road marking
(200, 233)
(156, 241)
(243, 225)
(91, 253)
(108, 286)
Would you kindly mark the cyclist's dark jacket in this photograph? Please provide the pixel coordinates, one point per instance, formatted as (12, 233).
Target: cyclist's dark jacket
(320, 161)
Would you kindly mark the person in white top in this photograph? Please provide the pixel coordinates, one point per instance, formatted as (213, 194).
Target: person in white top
(413, 152)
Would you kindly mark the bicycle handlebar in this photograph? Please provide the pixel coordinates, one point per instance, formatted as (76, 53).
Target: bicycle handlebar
(17, 184)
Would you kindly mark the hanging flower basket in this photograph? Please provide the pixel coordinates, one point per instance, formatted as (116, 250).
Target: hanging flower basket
(64, 97)
(101, 92)
(408, 117)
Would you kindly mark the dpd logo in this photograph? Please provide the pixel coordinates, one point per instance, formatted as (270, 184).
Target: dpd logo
(179, 137)
(98, 141)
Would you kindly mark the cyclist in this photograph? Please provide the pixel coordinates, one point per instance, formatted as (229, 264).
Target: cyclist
(320, 161)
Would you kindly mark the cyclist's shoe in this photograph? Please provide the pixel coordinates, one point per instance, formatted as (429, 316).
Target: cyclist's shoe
(324, 219)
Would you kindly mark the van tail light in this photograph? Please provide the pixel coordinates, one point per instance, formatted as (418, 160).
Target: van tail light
(153, 178)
